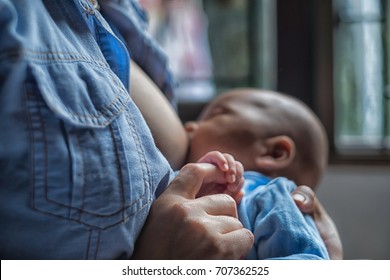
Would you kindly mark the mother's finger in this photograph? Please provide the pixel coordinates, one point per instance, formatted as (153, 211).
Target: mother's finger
(192, 176)
(217, 204)
(305, 198)
(238, 243)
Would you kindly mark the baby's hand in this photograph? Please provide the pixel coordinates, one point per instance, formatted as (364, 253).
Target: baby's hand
(233, 170)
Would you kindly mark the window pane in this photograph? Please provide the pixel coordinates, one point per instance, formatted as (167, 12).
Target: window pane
(358, 55)
(387, 82)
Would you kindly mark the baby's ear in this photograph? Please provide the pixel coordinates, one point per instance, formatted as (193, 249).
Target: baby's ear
(279, 153)
(191, 127)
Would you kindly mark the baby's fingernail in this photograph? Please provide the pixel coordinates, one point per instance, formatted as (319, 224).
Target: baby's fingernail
(299, 197)
(232, 178)
(226, 166)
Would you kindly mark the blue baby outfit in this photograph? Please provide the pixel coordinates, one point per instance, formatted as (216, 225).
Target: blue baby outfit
(281, 231)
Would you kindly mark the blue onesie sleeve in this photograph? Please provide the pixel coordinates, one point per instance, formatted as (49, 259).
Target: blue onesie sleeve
(281, 231)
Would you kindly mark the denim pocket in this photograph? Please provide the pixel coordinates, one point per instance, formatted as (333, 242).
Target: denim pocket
(87, 161)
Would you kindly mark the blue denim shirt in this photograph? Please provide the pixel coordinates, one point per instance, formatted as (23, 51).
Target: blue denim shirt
(78, 165)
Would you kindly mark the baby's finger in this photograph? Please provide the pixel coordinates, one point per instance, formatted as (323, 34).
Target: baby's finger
(234, 188)
(238, 196)
(231, 174)
(239, 171)
(237, 185)
(216, 158)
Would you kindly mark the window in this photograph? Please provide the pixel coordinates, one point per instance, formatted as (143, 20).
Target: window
(361, 61)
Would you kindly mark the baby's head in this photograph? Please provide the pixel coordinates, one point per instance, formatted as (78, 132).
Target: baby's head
(268, 132)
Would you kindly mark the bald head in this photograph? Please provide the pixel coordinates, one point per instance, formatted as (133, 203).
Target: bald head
(285, 115)
(294, 118)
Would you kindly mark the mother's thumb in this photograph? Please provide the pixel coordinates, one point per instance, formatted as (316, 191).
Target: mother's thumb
(190, 179)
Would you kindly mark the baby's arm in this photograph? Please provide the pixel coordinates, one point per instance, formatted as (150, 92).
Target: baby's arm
(233, 170)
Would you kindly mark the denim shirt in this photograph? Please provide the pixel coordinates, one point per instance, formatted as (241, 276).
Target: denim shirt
(78, 165)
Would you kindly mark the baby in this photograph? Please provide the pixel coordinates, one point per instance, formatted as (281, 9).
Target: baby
(272, 136)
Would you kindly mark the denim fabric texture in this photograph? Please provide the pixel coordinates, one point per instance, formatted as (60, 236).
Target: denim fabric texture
(130, 22)
(281, 231)
(78, 165)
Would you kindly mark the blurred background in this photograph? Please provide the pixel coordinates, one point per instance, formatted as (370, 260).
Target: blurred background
(333, 55)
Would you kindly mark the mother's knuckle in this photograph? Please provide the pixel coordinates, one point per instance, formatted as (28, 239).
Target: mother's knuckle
(193, 169)
(230, 202)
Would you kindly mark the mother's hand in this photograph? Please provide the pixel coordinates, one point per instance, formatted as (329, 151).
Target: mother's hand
(308, 203)
(181, 226)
